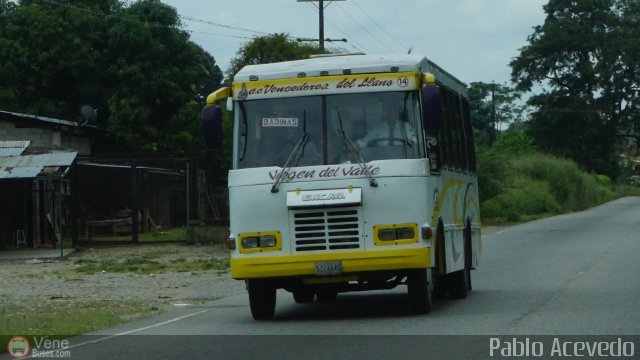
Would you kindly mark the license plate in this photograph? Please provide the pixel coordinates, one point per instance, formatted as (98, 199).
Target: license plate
(328, 268)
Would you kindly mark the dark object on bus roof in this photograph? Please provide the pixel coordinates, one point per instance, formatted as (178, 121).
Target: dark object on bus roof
(212, 127)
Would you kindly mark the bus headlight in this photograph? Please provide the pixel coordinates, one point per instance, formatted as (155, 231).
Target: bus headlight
(260, 241)
(268, 241)
(405, 233)
(395, 234)
(387, 234)
(250, 242)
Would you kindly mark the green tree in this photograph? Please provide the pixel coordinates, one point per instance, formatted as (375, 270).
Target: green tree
(158, 73)
(493, 107)
(269, 49)
(132, 62)
(48, 56)
(586, 54)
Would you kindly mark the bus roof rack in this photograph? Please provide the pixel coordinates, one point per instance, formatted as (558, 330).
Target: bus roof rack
(332, 55)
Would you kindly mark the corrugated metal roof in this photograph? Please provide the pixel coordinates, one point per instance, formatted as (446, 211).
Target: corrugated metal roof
(41, 160)
(10, 151)
(30, 166)
(23, 144)
(42, 119)
(13, 148)
(19, 172)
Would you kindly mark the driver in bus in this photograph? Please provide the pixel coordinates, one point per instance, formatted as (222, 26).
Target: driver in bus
(390, 130)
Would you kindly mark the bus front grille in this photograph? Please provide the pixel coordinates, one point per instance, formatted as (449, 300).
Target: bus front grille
(326, 229)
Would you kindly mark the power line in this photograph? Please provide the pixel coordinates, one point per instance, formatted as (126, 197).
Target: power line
(321, 39)
(365, 29)
(218, 34)
(207, 22)
(352, 42)
(189, 18)
(382, 28)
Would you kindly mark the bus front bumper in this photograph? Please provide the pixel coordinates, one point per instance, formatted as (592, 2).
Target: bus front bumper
(352, 262)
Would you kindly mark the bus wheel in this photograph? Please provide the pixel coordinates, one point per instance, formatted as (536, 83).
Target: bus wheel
(303, 296)
(460, 281)
(468, 253)
(262, 299)
(420, 290)
(458, 284)
(327, 296)
(440, 285)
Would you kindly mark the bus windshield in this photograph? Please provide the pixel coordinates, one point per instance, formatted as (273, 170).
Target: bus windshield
(381, 125)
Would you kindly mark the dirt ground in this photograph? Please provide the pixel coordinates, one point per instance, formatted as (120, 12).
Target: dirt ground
(58, 280)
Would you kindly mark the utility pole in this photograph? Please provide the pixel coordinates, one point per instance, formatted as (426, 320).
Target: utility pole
(493, 112)
(321, 6)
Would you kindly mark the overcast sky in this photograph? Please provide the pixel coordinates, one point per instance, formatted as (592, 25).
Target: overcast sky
(472, 39)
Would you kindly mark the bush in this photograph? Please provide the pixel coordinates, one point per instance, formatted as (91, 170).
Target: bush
(518, 183)
(603, 180)
(572, 188)
(492, 169)
(513, 143)
(527, 198)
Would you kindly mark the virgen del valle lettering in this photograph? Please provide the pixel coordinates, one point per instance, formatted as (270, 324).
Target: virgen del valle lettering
(329, 172)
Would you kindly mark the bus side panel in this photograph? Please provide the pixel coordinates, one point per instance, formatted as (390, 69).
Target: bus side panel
(396, 200)
(256, 209)
(453, 205)
(473, 213)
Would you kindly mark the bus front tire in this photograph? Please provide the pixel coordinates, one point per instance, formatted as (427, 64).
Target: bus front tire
(420, 291)
(262, 299)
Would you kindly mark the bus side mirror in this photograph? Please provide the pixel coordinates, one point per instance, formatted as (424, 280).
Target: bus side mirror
(212, 127)
(431, 108)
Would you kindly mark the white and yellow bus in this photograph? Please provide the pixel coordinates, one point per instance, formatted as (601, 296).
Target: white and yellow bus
(349, 173)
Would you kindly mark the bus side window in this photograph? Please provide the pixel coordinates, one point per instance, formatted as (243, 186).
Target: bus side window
(468, 135)
(453, 131)
(444, 135)
(461, 150)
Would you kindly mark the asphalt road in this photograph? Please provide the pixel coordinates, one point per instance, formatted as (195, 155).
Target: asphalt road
(574, 274)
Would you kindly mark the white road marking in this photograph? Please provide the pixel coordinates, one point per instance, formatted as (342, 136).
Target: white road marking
(136, 330)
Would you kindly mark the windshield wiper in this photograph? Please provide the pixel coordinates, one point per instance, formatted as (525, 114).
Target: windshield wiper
(244, 131)
(294, 157)
(354, 152)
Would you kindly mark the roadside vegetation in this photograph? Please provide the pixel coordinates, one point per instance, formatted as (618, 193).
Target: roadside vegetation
(144, 265)
(62, 318)
(145, 259)
(519, 183)
(104, 286)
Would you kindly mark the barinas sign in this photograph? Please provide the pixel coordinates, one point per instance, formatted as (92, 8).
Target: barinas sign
(330, 197)
(325, 85)
(324, 197)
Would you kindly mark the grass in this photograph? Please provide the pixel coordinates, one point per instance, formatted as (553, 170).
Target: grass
(144, 265)
(520, 186)
(64, 318)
